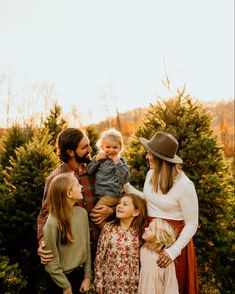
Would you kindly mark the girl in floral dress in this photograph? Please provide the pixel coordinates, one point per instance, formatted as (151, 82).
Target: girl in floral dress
(117, 257)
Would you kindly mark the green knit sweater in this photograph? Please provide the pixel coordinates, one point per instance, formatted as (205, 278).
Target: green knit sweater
(68, 257)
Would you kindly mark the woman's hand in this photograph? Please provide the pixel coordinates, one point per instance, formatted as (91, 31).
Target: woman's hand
(127, 188)
(45, 255)
(164, 259)
(100, 213)
(85, 286)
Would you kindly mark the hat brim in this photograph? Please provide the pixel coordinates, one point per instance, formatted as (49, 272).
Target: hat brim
(175, 159)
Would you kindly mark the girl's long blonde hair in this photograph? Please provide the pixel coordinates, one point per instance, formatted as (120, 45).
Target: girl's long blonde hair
(165, 234)
(58, 204)
(164, 174)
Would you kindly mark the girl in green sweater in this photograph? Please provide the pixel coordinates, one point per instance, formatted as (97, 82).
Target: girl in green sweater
(66, 233)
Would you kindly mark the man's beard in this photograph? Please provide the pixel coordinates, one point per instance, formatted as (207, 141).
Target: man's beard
(85, 159)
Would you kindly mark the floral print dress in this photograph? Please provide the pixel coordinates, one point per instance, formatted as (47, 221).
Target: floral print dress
(117, 260)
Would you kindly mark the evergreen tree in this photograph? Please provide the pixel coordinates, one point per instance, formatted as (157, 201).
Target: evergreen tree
(188, 120)
(20, 204)
(11, 279)
(55, 123)
(1, 179)
(15, 136)
(93, 136)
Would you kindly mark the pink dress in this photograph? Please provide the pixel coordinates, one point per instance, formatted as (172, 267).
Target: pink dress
(153, 279)
(117, 260)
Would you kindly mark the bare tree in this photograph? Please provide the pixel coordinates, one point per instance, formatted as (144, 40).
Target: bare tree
(28, 105)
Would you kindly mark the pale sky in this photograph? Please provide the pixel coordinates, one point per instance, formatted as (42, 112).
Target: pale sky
(90, 49)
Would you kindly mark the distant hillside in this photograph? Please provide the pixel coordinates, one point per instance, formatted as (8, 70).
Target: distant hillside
(222, 124)
(125, 122)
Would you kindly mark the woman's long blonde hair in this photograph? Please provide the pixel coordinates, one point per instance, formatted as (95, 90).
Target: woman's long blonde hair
(164, 174)
(58, 204)
(165, 234)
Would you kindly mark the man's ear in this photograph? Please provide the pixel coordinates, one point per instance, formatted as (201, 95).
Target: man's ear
(70, 152)
(136, 212)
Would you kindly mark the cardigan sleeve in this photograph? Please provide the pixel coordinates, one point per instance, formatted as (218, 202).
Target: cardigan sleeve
(189, 206)
(54, 267)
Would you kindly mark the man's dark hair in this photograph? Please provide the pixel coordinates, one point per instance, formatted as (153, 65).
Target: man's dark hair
(68, 139)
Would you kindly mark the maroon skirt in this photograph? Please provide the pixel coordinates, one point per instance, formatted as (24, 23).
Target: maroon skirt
(185, 263)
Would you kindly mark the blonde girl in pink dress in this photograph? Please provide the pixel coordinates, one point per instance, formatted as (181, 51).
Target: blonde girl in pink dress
(158, 236)
(117, 257)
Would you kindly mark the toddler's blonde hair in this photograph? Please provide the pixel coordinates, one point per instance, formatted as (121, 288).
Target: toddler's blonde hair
(111, 134)
(165, 234)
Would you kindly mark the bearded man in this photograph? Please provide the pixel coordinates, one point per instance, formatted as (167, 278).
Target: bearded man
(73, 147)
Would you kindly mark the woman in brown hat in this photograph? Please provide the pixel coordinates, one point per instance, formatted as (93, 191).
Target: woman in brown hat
(171, 195)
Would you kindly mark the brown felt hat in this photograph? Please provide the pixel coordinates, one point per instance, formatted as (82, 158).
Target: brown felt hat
(162, 145)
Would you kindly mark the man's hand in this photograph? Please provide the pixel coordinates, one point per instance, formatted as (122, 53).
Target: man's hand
(85, 286)
(45, 255)
(100, 213)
